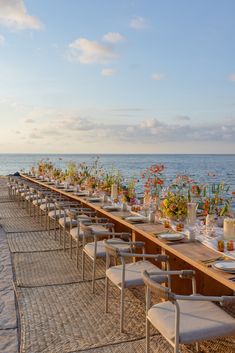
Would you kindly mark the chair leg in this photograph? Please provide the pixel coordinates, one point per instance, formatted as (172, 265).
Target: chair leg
(83, 265)
(147, 335)
(64, 238)
(71, 246)
(93, 275)
(49, 226)
(77, 252)
(55, 231)
(60, 235)
(122, 311)
(106, 294)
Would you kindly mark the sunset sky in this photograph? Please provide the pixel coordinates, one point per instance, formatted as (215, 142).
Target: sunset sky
(117, 76)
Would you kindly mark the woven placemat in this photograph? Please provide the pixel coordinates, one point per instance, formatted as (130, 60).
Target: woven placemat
(32, 242)
(51, 268)
(70, 318)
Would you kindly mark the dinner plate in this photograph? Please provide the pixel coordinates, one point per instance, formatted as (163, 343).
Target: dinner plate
(135, 219)
(226, 266)
(94, 199)
(111, 208)
(171, 236)
(80, 193)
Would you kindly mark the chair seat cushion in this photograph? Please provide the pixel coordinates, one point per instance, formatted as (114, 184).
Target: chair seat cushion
(47, 206)
(31, 197)
(25, 193)
(56, 214)
(74, 233)
(199, 321)
(133, 275)
(39, 201)
(68, 220)
(100, 250)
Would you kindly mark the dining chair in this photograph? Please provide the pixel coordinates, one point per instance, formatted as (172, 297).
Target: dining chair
(128, 275)
(185, 319)
(96, 248)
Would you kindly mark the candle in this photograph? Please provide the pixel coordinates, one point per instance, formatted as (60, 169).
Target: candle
(229, 228)
(114, 191)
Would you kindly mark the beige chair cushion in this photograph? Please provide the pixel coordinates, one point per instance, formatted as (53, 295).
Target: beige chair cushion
(67, 222)
(133, 275)
(199, 321)
(74, 233)
(74, 221)
(30, 197)
(39, 201)
(56, 214)
(25, 193)
(47, 206)
(100, 251)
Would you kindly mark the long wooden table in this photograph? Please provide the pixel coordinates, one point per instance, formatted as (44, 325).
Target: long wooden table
(182, 255)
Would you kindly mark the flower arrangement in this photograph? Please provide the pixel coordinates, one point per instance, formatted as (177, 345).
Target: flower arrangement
(44, 167)
(153, 180)
(127, 191)
(217, 201)
(109, 178)
(174, 206)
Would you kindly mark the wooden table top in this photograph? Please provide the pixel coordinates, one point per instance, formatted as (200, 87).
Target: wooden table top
(191, 252)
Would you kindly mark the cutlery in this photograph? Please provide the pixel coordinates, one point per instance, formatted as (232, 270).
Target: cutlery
(208, 261)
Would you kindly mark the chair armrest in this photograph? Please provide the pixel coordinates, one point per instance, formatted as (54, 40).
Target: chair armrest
(182, 274)
(157, 257)
(224, 300)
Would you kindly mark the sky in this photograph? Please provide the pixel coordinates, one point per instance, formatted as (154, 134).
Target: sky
(117, 76)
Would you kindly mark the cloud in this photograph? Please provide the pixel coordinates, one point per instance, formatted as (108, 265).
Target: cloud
(89, 52)
(29, 121)
(138, 23)
(182, 118)
(78, 129)
(158, 76)
(13, 14)
(35, 136)
(232, 77)
(108, 72)
(113, 37)
(2, 40)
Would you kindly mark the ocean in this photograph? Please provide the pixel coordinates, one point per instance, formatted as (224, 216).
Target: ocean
(200, 167)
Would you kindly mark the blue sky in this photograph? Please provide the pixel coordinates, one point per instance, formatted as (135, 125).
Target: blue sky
(100, 76)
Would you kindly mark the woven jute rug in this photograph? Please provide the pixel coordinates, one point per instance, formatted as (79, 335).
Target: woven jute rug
(32, 241)
(11, 211)
(50, 268)
(69, 318)
(20, 224)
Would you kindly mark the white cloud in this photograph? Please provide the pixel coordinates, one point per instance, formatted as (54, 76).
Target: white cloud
(2, 40)
(89, 52)
(158, 76)
(13, 14)
(231, 77)
(108, 72)
(29, 121)
(183, 118)
(138, 23)
(113, 37)
(149, 123)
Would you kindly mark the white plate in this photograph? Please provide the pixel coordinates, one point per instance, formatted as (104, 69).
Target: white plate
(111, 208)
(135, 219)
(94, 199)
(171, 236)
(80, 193)
(226, 266)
